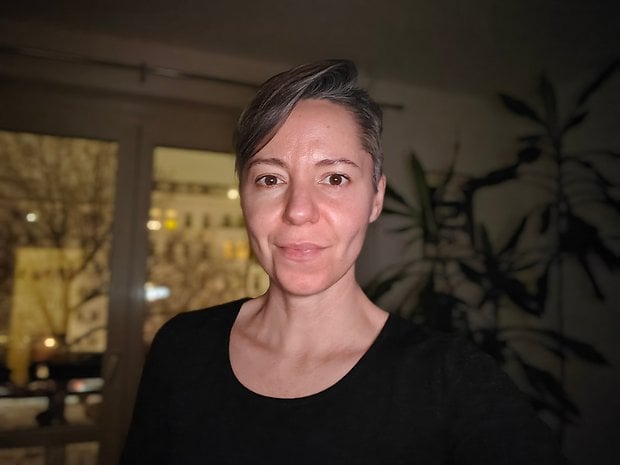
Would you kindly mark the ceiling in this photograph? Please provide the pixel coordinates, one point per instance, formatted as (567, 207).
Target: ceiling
(477, 46)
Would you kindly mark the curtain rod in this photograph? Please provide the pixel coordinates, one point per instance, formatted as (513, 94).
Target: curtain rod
(143, 69)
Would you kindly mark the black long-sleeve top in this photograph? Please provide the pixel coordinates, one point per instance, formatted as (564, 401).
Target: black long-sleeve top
(413, 398)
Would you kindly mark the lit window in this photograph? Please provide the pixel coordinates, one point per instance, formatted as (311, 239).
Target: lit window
(153, 225)
(171, 224)
(31, 217)
(232, 194)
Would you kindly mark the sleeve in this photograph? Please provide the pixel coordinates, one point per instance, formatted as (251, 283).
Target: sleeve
(490, 419)
(146, 441)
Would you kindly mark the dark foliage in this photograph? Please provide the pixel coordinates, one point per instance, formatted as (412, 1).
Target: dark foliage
(457, 280)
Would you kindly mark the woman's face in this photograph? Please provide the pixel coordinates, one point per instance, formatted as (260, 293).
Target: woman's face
(308, 197)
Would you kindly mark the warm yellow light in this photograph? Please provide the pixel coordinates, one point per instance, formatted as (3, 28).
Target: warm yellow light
(50, 342)
(42, 371)
(228, 249)
(232, 194)
(242, 250)
(171, 224)
(153, 292)
(31, 217)
(153, 225)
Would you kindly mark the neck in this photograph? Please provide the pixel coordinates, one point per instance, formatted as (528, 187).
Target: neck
(337, 316)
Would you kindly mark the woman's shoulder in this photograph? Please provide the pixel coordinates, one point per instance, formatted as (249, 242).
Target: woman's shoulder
(405, 335)
(480, 404)
(199, 326)
(221, 313)
(453, 355)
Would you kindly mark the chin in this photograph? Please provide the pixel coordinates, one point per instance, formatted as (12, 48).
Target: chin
(301, 288)
(306, 284)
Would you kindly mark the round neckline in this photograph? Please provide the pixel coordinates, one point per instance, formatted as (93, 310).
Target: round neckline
(358, 367)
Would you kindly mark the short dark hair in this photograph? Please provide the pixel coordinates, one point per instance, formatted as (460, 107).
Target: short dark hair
(331, 80)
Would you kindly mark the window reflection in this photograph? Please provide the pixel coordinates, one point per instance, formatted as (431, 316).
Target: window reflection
(199, 249)
(56, 209)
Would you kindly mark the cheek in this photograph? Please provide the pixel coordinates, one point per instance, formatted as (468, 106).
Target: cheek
(362, 208)
(257, 205)
(253, 224)
(350, 220)
(258, 221)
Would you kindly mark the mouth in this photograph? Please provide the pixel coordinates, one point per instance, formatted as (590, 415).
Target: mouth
(301, 250)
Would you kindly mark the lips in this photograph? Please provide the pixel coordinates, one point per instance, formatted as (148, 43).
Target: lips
(300, 250)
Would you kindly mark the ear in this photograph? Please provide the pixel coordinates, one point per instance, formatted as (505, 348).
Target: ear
(377, 202)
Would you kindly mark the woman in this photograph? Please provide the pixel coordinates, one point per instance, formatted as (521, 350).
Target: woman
(312, 372)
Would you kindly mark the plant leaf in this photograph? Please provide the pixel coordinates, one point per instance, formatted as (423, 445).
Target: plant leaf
(582, 350)
(517, 292)
(474, 275)
(545, 383)
(520, 108)
(581, 238)
(601, 179)
(547, 92)
(598, 153)
(529, 154)
(402, 229)
(541, 405)
(542, 286)
(387, 210)
(492, 178)
(598, 82)
(608, 256)
(514, 238)
(545, 220)
(485, 240)
(611, 201)
(576, 347)
(451, 169)
(575, 120)
(531, 138)
(429, 224)
(392, 194)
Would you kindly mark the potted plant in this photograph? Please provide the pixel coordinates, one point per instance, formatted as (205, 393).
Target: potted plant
(456, 279)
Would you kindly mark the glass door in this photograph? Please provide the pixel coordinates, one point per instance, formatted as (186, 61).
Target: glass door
(199, 254)
(107, 229)
(68, 167)
(57, 197)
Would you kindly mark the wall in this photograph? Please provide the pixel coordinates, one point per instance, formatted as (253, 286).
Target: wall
(594, 438)
(429, 125)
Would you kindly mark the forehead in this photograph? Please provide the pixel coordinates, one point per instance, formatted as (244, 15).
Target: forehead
(316, 127)
(320, 115)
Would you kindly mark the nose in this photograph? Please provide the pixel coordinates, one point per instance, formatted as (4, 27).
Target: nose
(301, 206)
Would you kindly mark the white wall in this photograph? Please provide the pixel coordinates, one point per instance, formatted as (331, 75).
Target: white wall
(430, 124)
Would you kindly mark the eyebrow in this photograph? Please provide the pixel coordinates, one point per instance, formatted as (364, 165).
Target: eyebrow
(323, 162)
(336, 161)
(266, 161)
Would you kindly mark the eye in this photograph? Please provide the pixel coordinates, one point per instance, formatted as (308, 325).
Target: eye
(335, 179)
(268, 180)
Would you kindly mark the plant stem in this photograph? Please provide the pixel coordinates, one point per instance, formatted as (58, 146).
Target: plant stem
(562, 226)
